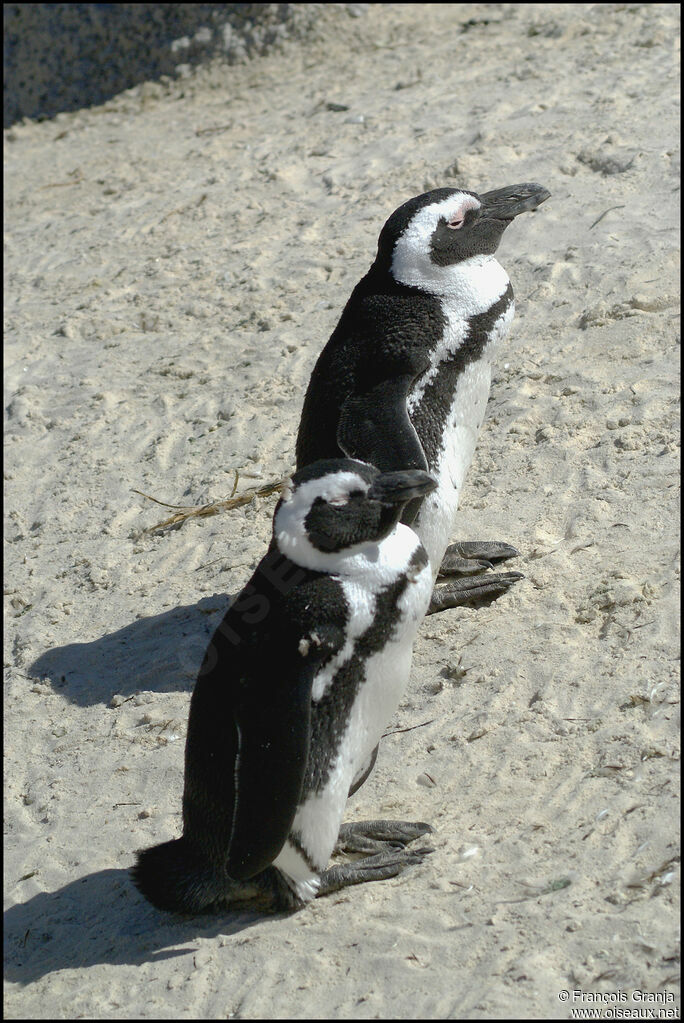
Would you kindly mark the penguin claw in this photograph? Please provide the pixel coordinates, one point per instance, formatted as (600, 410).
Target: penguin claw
(378, 836)
(471, 592)
(379, 867)
(472, 556)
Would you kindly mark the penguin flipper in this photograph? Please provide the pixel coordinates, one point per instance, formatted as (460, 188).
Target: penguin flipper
(248, 746)
(375, 427)
(244, 774)
(260, 751)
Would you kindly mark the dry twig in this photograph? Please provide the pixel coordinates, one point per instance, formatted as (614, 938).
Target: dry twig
(191, 512)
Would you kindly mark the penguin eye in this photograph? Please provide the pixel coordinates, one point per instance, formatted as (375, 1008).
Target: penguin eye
(456, 222)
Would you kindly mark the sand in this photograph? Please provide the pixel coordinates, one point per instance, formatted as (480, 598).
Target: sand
(175, 261)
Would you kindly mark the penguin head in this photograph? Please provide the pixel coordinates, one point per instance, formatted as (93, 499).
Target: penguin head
(442, 229)
(335, 509)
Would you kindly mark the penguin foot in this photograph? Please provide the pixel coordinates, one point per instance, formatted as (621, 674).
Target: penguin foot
(376, 836)
(473, 556)
(379, 867)
(477, 591)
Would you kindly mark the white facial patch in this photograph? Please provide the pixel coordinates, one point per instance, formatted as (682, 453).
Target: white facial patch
(411, 261)
(290, 527)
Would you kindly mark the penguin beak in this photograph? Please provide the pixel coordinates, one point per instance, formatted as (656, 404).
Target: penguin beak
(507, 203)
(400, 487)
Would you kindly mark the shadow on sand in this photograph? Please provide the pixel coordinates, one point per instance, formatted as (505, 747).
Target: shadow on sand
(161, 653)
(100, 918)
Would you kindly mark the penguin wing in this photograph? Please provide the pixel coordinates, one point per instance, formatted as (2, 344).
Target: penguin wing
(248, 744)
(246, 751)
(272, 732)
(375, 427)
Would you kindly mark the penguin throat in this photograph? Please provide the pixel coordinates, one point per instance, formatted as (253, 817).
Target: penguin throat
(473, 284)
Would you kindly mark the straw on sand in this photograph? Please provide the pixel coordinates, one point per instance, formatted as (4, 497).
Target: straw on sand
(185, 512)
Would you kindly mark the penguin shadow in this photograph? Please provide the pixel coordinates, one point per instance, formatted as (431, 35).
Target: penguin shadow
(101, 918)
(160, 653)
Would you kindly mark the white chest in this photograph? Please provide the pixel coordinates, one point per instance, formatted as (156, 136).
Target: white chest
(462, 404)
(379, 691)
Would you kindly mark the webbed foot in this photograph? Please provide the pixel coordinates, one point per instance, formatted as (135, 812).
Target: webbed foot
(471, 592)
(467, 562)
(376, 836)
(386, 841)
(472, 556)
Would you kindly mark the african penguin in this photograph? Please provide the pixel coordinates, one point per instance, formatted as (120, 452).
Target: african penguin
(405, 377)
(296, 687)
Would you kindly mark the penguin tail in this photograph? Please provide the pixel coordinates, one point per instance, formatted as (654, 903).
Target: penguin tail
(173, 876)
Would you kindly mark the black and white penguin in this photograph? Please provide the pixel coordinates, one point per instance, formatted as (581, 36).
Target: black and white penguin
(405, 377)
(297, 685)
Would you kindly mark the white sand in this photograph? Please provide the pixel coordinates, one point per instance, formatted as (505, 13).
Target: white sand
(168, 289)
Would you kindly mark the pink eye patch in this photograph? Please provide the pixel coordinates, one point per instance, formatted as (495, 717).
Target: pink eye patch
(457, 218)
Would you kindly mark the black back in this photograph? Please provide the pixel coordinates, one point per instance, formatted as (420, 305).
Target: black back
(377, 350)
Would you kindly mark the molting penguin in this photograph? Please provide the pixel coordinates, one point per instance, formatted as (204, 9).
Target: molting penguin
(296, 688)
(405, 377)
